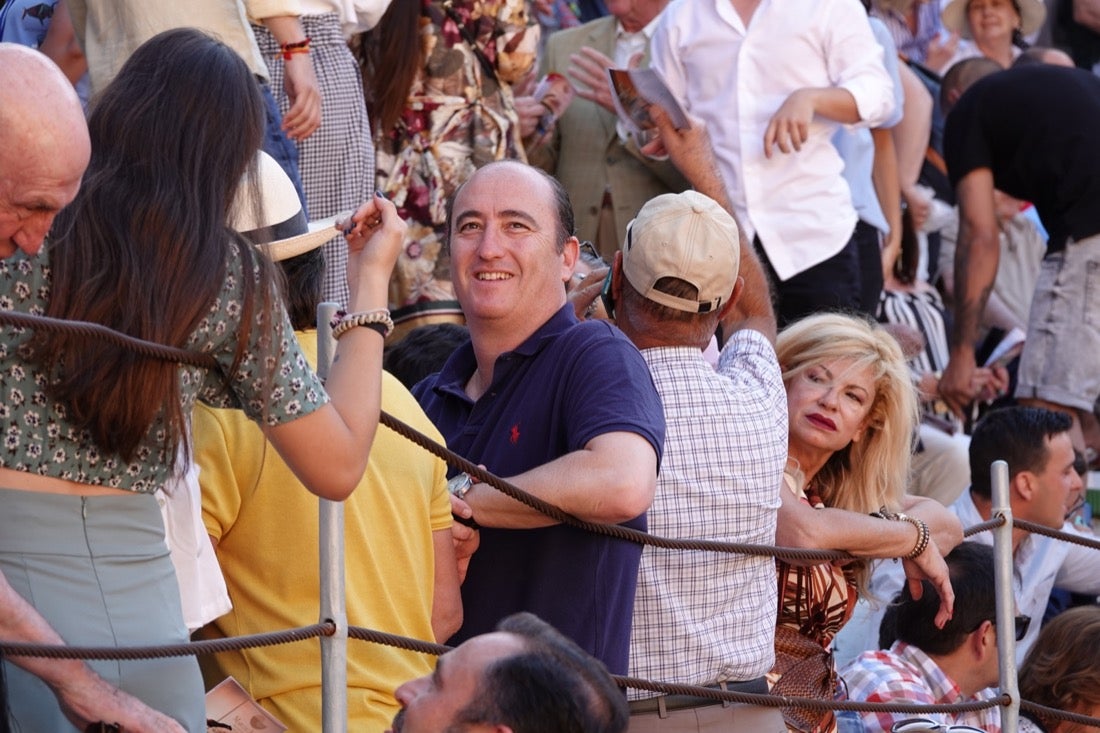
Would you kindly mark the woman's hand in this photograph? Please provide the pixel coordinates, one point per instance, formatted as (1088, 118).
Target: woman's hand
(930, 566)
(946, 532)
(304, 116)
(375, 234)
(945, 528)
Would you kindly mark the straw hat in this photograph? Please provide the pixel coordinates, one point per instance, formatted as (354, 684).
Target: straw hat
(1032, 14)
(284, 231)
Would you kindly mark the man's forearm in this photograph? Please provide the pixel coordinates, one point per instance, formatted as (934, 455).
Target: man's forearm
(21, 623)
(610, 481)
(976, 259)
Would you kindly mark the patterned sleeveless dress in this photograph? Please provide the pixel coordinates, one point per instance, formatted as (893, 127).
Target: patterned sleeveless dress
(814, 603)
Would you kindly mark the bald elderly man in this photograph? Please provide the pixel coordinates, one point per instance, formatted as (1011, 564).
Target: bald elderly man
(44, 149)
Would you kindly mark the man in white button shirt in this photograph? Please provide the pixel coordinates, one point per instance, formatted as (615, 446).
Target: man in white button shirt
(773, 80)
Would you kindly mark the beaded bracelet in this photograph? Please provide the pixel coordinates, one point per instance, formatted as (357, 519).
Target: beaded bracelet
(377, 320)
(289, 49)
(923, 535)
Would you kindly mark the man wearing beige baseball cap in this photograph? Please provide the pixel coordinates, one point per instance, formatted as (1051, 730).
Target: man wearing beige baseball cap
(678, 276)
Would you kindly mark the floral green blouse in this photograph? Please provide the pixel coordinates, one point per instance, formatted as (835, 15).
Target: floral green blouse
(37, 437)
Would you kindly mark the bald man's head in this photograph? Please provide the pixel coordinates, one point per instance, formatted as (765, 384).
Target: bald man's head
(44, 147)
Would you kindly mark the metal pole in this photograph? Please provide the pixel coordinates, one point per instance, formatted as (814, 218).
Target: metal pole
(334, 649)
(1006, 601)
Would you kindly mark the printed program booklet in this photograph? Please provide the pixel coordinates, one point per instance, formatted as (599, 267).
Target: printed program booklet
(229, 703)
(636, 89)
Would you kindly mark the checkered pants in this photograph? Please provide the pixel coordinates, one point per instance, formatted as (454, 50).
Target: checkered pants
(337, 161)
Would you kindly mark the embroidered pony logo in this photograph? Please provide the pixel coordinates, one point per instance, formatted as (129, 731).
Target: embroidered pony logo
(513, 436)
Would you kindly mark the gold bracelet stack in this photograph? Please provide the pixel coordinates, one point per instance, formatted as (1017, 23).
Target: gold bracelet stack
(378, 320)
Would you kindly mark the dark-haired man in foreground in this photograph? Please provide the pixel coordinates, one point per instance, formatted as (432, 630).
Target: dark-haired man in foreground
(524, 677)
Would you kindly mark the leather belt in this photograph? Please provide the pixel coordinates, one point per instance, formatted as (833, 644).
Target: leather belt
(684, 702)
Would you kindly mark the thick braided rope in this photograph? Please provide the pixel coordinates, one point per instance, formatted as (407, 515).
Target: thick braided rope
(98, 330)
(192, 358)
(193, 648)
(1075, 539)
(989, 524)
(805, 703)
(611, 530)
(401, 642)
(1055, 714)
(378, 637)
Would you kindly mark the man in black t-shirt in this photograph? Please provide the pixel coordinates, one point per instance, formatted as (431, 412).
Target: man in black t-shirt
(1031, 132)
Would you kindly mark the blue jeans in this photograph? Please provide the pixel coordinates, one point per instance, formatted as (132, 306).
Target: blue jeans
(849, 721)
(279, 146)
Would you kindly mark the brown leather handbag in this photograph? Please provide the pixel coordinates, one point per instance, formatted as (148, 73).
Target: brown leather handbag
(805, 669)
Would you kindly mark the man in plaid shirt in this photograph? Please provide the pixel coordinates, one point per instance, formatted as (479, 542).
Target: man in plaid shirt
(704, 618)
(926, 665)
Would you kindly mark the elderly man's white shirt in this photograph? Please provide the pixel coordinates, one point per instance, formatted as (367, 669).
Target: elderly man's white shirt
(735, 79)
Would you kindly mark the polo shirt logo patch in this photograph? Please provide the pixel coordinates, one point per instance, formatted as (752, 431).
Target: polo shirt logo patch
(513, 437)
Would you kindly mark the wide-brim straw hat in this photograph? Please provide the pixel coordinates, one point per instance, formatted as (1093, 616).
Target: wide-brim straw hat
(283, 232)
(1032, 15)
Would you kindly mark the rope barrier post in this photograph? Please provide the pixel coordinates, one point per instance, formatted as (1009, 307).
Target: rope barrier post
(1006, 598)
(334, 649)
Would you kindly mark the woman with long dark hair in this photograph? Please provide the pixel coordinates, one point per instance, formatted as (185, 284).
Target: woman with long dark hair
(93, 429)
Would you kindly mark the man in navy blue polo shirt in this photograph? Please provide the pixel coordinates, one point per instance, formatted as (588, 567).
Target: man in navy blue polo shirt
(564, 409)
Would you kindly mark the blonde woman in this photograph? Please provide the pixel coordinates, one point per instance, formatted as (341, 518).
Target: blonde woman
(852, 413)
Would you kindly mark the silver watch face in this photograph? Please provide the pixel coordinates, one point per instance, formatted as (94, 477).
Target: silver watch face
(459, 484)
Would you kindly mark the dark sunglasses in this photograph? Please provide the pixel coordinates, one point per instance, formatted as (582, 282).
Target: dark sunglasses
(587, 248)
(1021, 623)
(923, 725)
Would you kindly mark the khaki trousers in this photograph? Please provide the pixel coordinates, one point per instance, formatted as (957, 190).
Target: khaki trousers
(732, 718)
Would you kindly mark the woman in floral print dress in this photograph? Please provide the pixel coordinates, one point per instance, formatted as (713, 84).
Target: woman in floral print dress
(439, 78)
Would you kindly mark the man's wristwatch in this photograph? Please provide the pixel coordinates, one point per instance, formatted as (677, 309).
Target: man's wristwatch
(460, 485)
